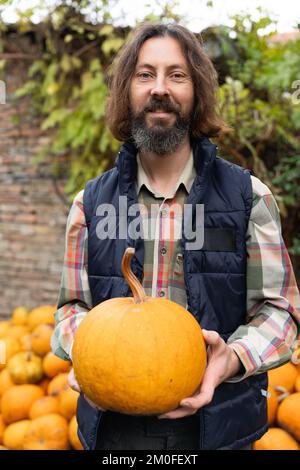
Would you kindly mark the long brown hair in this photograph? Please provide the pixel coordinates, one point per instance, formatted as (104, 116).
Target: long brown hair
(205, 119)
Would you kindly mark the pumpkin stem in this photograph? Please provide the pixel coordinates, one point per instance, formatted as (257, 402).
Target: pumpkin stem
(296, 357)
(133, 282)
(283, 393)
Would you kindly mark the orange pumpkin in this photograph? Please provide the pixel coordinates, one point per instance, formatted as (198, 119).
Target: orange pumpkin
(276, 396)
(4, 327)
(68, 403)
(139, 355)
(53, 365)
(25, 367)
(14, 435)
(20, 316)
(48, 432)
(17, 401)
(11, 347)
(73, 435)
(43, 406)
(276, 439)
(285, 376)
(40, 339)
(42, 314)
(272, 406)
(6, 381)
(25, 342)
(288, 415)
(2, 428)
(297, 384)
(58, 384)
(17, 331)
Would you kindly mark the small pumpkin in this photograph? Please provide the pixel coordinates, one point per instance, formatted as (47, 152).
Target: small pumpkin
(17, 331)
(68, 403)
(40, 339)
(284, 376)
(58, 384)
(53, 365)
(14, 435)
(4, 327)
(17, 401)
(20, 316)
(297, 384)
(48, 432)
(288, 415)
(25, 367)
(11, 347)
(73, 435)
(276, 439)
(42, 314)
(6, 381)
(44, 406)
(275, 396)
(25, 342)
(140, 354)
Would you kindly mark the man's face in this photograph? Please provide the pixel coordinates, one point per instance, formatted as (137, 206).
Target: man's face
(161, 96)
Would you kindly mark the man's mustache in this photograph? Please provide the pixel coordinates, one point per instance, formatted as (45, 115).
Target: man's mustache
(161, 106)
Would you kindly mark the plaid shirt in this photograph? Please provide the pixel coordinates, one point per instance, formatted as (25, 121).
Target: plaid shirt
(266, 339)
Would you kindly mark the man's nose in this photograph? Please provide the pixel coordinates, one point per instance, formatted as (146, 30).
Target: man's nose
(160, 87)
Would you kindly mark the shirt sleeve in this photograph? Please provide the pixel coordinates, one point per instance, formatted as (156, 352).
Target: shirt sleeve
(74, 299)
(267, 338)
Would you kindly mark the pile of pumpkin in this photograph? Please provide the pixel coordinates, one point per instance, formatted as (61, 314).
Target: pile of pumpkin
(37, 406)
(283, 408)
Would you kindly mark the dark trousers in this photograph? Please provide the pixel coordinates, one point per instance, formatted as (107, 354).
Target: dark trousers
(126, 432)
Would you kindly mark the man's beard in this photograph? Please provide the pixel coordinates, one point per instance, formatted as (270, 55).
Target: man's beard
(161, 138)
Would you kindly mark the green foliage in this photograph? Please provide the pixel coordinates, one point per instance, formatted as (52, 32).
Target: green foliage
(258, 97)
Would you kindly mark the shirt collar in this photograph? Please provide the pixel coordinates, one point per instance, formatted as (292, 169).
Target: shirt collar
(186, 178)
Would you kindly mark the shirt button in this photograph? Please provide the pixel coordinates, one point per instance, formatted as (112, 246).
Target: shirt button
(163, 250)
(164, 212)
(161, 293)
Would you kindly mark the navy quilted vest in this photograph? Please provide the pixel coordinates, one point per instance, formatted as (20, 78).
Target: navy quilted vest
(215, 278)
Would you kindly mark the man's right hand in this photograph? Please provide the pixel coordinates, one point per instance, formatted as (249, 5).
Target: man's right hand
(74, 385)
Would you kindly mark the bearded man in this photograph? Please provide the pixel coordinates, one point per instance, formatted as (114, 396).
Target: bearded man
(239, 284)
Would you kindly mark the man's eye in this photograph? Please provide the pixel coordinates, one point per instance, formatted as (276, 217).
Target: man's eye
(144, 75)
(178, 76)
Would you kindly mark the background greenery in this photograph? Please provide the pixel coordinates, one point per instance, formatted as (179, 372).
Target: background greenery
(67, 86)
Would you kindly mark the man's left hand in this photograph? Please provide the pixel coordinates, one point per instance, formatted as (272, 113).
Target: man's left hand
(222, 363)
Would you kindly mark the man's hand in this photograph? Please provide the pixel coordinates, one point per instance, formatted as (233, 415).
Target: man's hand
(222, 363)
(74, 385)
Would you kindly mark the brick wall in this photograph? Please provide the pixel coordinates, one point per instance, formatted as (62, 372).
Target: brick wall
(33, 207)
